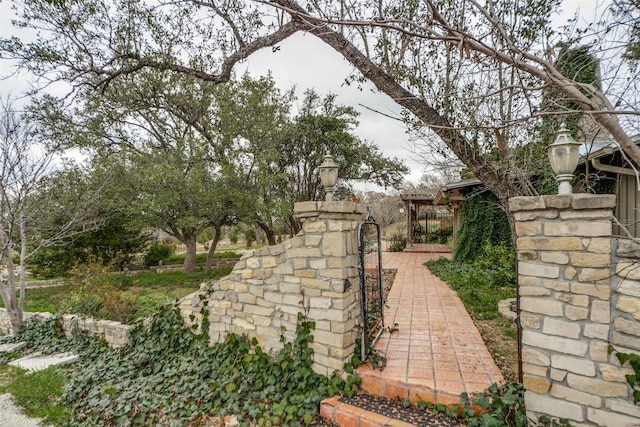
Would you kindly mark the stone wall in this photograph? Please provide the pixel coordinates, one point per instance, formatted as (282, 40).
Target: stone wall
(114, 333)
(573, 306)
(313, 273)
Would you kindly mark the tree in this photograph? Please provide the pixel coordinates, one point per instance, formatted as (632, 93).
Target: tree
(487, 62)
(31, 218)
(322, 126)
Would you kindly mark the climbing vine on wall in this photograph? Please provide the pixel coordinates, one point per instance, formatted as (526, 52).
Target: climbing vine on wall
(481, 220)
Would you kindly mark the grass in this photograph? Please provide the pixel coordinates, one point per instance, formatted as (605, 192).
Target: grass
(153, 288)
(37, 392)
(201, 258)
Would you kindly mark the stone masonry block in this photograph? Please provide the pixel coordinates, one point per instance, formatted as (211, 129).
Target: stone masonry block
(253, 263)
(318, 264)
(570, 273)
(560, 408)
(588, 229)
(623, 407)
(628, 270)
(525, 203)
(599, 245)
(557, 375)
(628, 248)
(628, 287)
(555, 257)
(613, 373)
(587, 259)
(558, 344)
(600, 312)
(588, 214)
(258, 310)
(627, 326)
(626, 341)
(529, 281)
(530, 216)
(561, 328)
(534, 291)
(566, 393)
(573, 299)
(536, 384)
(533, 356)
(534, 370)
(529, 228)
(576, 365)
(320, 302)
(541, 306)
(312, 239)
(544, 243)
(596, 386)
(598, 290)
(629, 305)
(530, 321)
(559, 201)
(605, 418)
(311, 226)
(269, 262)
(599, 351)
(596, 330)
(593, 201)
(557, 285)
(527, 255)
(538, 270)
(333, 244)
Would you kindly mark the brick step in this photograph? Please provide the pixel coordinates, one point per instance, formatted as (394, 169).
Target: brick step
(375, 383)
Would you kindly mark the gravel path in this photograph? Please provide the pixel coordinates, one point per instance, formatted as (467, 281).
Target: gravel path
(12, 416)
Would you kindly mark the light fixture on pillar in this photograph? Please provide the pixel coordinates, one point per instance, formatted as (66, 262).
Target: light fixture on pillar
(328, 175)
(563, 156)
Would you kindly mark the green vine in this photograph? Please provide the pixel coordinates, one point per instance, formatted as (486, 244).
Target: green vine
(481, 221)
(169, 375)
(632, 379)
(498, 406)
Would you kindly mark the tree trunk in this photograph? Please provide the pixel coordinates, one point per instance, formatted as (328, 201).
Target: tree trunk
(271, 236)
(295, 225)
(9, 292)
(189, 265)
(212, 248)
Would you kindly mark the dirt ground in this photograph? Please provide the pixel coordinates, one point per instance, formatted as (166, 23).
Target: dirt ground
(500, 337)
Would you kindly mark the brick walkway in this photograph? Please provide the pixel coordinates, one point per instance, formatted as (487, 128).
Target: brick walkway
(436, 352)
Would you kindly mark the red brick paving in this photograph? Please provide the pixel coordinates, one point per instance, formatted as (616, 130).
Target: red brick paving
(436, 352)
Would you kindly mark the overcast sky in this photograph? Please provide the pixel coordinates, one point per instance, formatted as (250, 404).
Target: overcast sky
(306, 62)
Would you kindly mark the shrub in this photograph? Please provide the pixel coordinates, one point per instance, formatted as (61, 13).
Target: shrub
(156, 253)
(150, 304)
(85, 279)
(398, 242)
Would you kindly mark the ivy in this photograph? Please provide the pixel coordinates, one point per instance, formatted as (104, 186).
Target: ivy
(481, 221)
(499, 406)
(170, 376)
(632, 379)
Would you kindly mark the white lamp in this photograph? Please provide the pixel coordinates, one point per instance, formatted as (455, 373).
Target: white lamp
(563, 156)
(328, 175)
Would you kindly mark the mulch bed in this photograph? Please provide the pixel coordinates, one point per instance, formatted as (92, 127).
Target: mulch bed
(394, 409)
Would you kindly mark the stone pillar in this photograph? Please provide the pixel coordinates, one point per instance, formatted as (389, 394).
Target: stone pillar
(564, 266)
(328, 267)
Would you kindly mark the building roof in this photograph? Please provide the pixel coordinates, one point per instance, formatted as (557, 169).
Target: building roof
(447, 190)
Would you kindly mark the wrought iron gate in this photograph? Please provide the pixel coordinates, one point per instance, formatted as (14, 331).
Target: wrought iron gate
(371, 292)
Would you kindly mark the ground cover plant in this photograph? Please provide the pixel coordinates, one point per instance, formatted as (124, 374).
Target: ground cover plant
(170, 376)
